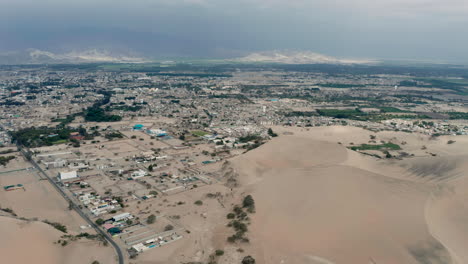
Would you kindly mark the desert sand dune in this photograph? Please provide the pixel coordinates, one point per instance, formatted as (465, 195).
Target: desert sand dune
(33, 242)
(318, 202)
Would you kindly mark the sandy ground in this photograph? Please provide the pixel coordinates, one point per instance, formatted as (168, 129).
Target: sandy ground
(203, 222)
(319, 202)
(33, 242)
(30, 241)
(38, 200)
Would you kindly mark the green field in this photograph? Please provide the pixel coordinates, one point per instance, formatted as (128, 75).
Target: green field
(199, 133)
(60, 141)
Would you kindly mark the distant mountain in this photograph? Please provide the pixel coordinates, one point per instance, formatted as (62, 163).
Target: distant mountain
(35, 56)
(297, 57)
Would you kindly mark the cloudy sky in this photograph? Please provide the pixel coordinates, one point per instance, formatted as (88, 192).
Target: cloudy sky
(390, 29)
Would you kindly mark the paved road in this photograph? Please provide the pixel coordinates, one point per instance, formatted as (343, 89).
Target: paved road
(78, 210)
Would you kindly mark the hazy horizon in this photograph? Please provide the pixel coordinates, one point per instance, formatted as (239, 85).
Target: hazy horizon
(425, 30)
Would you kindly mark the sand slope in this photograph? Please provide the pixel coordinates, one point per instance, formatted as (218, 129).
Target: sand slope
(33, 242)
(318, 202)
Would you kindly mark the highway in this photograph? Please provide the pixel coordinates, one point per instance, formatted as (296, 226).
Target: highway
(77, 208)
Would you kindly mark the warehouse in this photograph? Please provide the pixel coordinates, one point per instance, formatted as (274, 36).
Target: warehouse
(66, 175)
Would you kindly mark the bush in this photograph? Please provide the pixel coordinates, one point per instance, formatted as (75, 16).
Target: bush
(230, 216)
(249, 203)
(271, 133)
(57, 226)
(151, 219)
(168, 228)
(248, 260)
(99, 221)
(237, 210)
(198, 202)
(219, 252)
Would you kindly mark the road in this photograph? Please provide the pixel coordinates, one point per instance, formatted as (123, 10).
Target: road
(76, 208)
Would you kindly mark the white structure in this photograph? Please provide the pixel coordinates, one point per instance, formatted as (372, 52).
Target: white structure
(138, 174)
(122, 216)
(157, 132)
(139, 247)
(66, 175)
(58, 163)
(78, 165)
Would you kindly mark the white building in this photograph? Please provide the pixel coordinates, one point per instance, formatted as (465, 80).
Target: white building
(78, 165)
(122, 216)
(66, 175)
(58, 163)
(138, 174)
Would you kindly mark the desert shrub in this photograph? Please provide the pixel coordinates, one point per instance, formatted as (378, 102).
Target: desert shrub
(249, 203)
(57, 226)
(248, 260)
(151, 219)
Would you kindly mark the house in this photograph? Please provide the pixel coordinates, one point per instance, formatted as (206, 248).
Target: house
(76, 135)
(138, 174)
(57, 163)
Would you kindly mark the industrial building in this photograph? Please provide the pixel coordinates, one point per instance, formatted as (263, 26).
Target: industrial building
(66, 175)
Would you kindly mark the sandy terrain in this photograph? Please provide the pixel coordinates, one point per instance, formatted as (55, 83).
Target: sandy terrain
(203, 222)
(319, 202)
(30, 242)
(39, 200)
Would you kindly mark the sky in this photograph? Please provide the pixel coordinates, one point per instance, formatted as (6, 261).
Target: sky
(433, 30)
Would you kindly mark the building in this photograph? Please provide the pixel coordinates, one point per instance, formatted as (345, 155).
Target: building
(57, 163)
(78, 165)
(66, 175)
(138, 174)
(123, 216)
(157, 132)
(138, 127)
